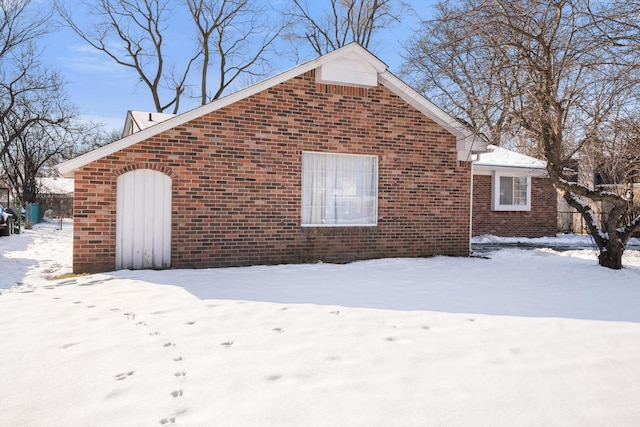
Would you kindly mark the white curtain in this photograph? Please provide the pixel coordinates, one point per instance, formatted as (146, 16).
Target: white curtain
(339, 189)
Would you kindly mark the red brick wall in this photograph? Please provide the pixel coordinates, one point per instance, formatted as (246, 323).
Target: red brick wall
(541, 220)
(236, 182)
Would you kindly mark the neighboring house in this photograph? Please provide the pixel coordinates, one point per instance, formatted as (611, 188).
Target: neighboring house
(55, 197)
(512, 195)
(140, 120)
(586, 171)
(334, 160)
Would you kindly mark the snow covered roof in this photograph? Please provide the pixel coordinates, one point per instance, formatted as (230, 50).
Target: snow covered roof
(140, 120)
(350, 65)
(500, 158)
(56, 185)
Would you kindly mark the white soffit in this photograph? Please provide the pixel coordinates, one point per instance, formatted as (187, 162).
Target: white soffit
(348, 70)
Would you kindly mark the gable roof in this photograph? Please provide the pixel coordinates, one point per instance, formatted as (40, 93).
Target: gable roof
(140, 120)
(496, 158)
(351, 65)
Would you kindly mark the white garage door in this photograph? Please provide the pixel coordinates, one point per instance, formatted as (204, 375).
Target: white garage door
(143, 220)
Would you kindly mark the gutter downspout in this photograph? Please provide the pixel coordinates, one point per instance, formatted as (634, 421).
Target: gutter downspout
(471, 209)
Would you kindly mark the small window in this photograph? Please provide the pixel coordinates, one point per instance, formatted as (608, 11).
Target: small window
(339, 190)
(511, 193)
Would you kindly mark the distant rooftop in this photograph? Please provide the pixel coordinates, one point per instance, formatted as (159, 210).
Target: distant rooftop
(140, 120)
(55, 185)
(501, 157)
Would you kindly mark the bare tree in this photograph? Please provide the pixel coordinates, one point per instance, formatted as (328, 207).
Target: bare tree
(346, 21)
(234, 36)
(19, 26)
(34, 149)
(613, 163)
(30, 95)
(230, 38)
(616, 22)
(34, 110)
(541, 71)
(132, 33)
(41, 146)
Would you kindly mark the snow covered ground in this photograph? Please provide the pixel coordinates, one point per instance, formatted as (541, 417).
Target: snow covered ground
(525, 338)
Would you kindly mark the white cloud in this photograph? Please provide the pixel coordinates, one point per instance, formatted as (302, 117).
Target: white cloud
(86, 59)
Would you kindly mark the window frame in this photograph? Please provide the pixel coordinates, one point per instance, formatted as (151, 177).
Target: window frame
(374, 223)
(495, 192)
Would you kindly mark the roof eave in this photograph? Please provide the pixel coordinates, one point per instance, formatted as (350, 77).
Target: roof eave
(68, 167)
(467, 142)
(533, 170)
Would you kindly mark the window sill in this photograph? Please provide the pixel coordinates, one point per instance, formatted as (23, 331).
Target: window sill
(517, 208)
(336, 225)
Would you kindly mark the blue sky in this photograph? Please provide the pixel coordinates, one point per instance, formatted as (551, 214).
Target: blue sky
(104, 91)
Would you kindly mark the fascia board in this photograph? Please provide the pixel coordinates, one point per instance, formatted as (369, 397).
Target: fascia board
(488, 169)
(467, 142)
(466, 139)
(66, 168)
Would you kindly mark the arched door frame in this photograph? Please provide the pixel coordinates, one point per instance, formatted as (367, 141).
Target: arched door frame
(143, 220)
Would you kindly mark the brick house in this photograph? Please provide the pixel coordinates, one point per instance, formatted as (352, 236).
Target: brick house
(512, 195)
(334, 160)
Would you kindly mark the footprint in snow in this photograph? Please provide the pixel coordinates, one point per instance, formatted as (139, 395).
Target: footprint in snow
(66, 346)
(91, 283)
(124, 375)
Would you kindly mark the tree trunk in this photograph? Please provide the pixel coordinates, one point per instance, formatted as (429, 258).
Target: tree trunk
(611, 254)
(29, 190)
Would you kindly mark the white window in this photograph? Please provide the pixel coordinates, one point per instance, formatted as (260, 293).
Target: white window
(510, 193)
(339, 190)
